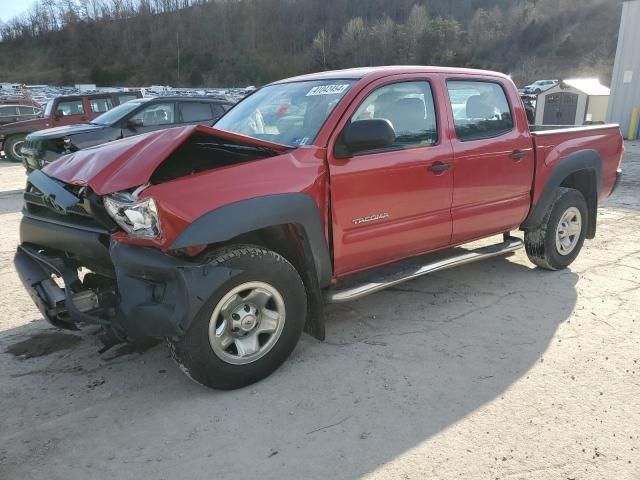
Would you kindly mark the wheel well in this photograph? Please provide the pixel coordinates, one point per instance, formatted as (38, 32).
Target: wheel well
(585, 182)
(290, 241)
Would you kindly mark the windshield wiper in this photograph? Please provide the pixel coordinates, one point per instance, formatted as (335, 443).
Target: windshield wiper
(234, 147)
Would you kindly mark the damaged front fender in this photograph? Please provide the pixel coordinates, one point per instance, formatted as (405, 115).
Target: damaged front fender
(159, 295)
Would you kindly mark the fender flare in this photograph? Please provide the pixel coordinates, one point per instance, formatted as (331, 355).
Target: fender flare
(575, 162)
(229, 221)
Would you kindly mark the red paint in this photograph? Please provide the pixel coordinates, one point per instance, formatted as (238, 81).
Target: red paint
(485, 192)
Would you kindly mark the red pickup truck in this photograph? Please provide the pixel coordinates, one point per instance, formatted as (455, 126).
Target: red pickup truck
(228, 241)
(59, 112)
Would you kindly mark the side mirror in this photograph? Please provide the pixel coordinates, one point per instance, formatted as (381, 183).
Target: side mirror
(361, 135)
(59, 114)
(135, 123)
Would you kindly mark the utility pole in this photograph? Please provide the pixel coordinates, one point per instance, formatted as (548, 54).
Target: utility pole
(178, 43)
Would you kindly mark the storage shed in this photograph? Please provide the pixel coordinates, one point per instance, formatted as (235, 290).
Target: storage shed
(577, 101)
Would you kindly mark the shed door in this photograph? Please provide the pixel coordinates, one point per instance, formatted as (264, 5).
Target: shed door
(560, 109)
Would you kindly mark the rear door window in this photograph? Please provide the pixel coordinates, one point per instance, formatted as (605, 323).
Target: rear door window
(100, 105)
(196, 112)
(157, 114)
(480, 109)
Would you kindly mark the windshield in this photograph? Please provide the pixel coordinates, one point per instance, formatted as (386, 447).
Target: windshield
(115, 114)
(47, 108)
(286, 113)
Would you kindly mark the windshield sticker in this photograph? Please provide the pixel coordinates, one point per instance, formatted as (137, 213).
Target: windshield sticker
(328, 89)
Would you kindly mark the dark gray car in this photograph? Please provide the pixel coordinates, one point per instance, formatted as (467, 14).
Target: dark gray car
(131, 118)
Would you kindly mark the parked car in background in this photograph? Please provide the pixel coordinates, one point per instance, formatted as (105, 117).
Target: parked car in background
(539, 86)
(126, 120)
(65, 110)
(18, 113)
(228, 241)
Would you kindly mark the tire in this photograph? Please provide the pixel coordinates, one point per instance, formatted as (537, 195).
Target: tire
(201, 353)
(12, 146)
(545, 246)
(538, 91)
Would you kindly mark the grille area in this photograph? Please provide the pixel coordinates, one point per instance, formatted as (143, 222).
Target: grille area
(80, 215)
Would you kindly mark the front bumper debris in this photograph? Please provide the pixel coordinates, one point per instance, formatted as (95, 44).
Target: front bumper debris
(153, 294)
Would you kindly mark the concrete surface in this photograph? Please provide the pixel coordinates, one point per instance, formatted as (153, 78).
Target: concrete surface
(494, 370)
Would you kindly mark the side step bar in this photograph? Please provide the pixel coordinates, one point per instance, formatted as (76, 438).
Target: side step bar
(509, 244)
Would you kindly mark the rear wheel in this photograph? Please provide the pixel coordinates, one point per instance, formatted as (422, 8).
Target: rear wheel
(556, 243)
(13, 148)
(249, 326)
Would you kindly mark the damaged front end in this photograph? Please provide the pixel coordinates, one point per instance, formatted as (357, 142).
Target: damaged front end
(96, 247)
(76, 273)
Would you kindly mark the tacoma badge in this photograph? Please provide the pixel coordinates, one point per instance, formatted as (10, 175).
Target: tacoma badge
(370, 218)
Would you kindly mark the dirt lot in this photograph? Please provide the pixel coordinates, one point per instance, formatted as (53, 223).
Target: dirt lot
(495, 370)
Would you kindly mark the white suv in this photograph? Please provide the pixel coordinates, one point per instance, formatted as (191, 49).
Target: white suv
(540, 86)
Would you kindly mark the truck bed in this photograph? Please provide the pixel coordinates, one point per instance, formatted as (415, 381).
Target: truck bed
(554, 143)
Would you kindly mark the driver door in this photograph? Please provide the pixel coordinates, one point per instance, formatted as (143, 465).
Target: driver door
(392, 204)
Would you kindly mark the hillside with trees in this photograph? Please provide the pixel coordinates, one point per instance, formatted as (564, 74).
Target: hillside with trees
(239, 42)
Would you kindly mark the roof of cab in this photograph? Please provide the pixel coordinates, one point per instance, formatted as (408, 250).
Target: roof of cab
(373, 73)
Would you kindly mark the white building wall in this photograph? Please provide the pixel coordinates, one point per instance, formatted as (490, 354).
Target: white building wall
(625, 85)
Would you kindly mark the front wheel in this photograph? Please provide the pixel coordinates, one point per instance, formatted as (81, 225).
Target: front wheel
(556, 243)
(249, 326)
(13, 148)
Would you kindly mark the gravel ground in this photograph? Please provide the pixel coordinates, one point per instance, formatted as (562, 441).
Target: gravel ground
(495, 370)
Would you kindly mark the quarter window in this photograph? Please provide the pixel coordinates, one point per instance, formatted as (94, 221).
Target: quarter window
(100, 105)
(480, 110)
(410, 108)
(26, 110)
(196, 112)
(8, 111)
(125, 98)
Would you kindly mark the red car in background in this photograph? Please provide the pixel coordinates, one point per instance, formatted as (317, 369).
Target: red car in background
(61, 111)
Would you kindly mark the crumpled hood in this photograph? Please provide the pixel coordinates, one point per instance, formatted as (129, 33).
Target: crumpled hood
(65, 131)
(128, 163)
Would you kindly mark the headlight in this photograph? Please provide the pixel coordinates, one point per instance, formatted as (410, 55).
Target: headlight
(139, 218)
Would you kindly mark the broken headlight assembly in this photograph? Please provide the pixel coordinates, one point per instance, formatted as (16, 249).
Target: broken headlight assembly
(139, 218)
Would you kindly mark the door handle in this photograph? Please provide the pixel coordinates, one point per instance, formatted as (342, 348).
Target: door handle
(518, 154)
(439, 167)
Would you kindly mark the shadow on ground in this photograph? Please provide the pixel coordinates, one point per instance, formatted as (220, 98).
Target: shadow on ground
(397, 368)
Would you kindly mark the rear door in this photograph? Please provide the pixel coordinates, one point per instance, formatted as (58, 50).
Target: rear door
(387, 205)
(493, 158)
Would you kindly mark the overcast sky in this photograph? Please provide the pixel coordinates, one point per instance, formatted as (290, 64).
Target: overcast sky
(11, 8)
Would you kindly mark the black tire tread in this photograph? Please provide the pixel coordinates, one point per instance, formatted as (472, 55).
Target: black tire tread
(535, 241)
(180, 348)
(6, 150)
